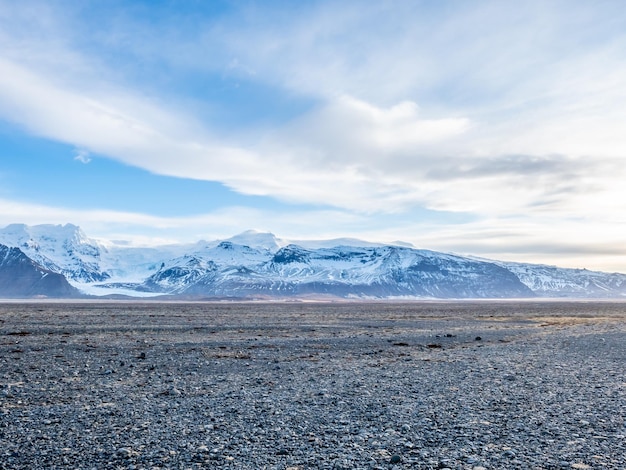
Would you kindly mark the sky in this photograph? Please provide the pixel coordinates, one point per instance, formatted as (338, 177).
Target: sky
(490, 128)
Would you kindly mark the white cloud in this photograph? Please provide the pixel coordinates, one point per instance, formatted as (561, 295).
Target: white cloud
(347, 152)
(82, 156)
(513, 239)
(350, 130)
(221, 223)
(535, 240)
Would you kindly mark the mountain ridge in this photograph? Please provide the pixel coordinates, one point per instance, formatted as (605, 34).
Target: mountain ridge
(260, 265)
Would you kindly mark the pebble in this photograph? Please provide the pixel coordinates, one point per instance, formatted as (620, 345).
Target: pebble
(124, 452)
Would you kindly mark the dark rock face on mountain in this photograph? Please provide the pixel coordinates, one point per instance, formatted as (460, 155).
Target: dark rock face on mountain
(21, 277)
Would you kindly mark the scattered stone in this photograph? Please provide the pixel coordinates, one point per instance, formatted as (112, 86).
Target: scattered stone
(172, 392)
(124, 452)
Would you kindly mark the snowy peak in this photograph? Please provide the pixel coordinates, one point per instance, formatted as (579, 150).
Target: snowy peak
(270, 242)
(51, 238)
(258, 240)
(60, 248)
(67, 233)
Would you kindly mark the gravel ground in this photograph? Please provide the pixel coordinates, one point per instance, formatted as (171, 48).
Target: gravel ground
(474, 385)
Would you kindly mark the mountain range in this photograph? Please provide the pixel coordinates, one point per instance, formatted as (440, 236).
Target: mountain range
(61, 261)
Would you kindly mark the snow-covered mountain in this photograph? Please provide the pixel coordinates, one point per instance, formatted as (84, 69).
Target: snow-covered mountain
(260, 265)
(87, 263)
(63, 249)
(552, 281)
(21, 277)
(348, 271)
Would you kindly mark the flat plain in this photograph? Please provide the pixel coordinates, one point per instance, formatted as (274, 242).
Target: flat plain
(307, 385)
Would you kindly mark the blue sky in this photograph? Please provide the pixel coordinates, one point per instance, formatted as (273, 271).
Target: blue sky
(476, 127)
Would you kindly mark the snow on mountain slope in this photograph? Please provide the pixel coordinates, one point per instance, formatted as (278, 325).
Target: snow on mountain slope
(552, 281)
(22, 277)
(269, 241)
(259, 240)
(370, 272)
(347, 242)
(177, 275)
(254, 264)
(133, 264)
(64, 249)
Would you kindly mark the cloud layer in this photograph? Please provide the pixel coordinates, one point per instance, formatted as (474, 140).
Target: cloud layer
(505, 113)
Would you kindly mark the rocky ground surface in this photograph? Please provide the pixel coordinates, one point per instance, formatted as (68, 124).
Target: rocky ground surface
(474, 385)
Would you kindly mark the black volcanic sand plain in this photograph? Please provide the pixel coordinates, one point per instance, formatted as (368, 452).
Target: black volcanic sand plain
(307, 385)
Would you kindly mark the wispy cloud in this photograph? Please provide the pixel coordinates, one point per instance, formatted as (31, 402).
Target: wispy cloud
(347, 153)
(82, 156)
